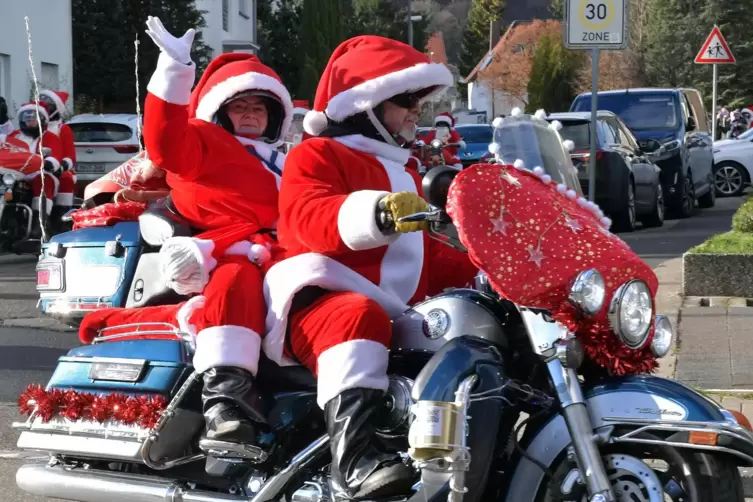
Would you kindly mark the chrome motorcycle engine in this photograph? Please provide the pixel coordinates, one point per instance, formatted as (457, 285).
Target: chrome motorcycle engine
(394, 420)
(316, 490)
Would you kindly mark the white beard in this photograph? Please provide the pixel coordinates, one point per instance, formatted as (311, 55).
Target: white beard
(443, 133)
(408, 133)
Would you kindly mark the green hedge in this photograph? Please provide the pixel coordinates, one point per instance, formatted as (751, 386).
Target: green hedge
(742, 221)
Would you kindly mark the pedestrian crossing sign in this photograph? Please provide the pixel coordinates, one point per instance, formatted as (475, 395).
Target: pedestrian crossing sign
(715, 50)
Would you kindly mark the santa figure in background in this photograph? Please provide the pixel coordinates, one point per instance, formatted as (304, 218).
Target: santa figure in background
(33, 118)
(444, 130)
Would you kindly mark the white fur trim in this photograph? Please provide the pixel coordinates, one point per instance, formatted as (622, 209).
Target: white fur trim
(32, 107)
(497, 123)
(221, 92)
(186, 311)
(555, 125)
(356, 221)
(494, 148)
(54, 97)
(516, 112)
(519, 164)
(561, 188)
(54, 162)
(546, 179)
(64, 199)
(68, 163)
(240, 248)
(191, 277)
(314, 122)
(35, 203)
(368, 94)
(443, 119)
(539, 171)
(227, 346)
(606, 222)
(462, 144)
(458, 166)
(571, 194)
(54, 127)
(540, 114)
(172, 81)
(258, 254)
(569, 145)
(377, 148)
(355, 364)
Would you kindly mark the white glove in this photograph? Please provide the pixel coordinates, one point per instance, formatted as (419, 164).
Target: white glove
(185, 264)
(178, 49)
(461, 143)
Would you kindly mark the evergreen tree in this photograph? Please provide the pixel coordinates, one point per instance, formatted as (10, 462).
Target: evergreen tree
(476, 36)
(321, 33)
(557, 8)
(280, 42)
(551, 84)
(387, 19)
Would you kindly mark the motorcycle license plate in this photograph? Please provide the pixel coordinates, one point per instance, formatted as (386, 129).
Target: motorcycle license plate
(88, 167)
(49, 277)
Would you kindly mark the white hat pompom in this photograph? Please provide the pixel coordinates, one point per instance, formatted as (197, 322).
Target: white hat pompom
(539, 171)
(546, 179)
(606, 222)
(569, 145)
(496, 123)
(259, 254)
(516, 112)
(519, 164)
(540, 114)
(571, 194)
(561, 188)
(581, 202)
(555, 125)
(494, 148)
(314, 122)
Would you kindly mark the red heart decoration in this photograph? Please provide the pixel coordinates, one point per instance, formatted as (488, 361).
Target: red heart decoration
(532, 238)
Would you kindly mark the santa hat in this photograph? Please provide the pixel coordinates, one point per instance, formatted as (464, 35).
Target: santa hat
(60, 98)
(446, 118)
(233, 73)
(43, 110)
(367, 70)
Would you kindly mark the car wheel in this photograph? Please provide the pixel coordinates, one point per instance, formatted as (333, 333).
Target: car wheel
(685, 206)
(708, 200)
(729, 179)
(656, 217)
(625, 220)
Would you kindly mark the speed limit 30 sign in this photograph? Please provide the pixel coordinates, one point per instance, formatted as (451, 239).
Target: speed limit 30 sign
(596, 24)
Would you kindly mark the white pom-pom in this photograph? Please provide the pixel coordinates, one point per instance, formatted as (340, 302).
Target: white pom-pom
(519, 164)
(314, 122)
(496, 123)
(516, 112)
(546, 179)
(569, 145)
(539, 171)
(581, 202)
(540, 114)
(571, 194)
(606, 222)
(494, 148)
(600, 214)
(555, 125)
(259, 254)
(561, 188)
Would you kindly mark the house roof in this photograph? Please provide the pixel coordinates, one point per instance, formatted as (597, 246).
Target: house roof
(435, 48)
(489, 56)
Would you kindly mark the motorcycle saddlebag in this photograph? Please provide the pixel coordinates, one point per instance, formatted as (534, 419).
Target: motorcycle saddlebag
(143, 368)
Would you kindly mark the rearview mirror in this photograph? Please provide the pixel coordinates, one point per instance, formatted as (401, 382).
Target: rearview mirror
(650, 146)
(436, 185)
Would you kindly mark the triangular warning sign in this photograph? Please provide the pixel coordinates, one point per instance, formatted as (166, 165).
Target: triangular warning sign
(715, 50)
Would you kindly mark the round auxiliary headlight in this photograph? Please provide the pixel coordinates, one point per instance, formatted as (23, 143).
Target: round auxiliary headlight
(8, 179)
(588, 292)
(630, 313)
(436, 143)
(663, 336)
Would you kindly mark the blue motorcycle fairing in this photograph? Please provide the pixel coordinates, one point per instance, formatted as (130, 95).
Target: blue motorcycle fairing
(632, 401)
(126, 232)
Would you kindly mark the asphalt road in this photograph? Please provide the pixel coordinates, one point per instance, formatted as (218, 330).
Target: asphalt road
(30, 345)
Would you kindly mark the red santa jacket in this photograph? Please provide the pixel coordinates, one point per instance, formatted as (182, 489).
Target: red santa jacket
(328, 201)
(454, 138)
(68, 147)
(49, 140)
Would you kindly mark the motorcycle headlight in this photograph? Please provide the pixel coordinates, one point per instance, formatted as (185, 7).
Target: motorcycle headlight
(588, 292)
(630, 313)
(663, 336)
(436, 143)
(8, 179)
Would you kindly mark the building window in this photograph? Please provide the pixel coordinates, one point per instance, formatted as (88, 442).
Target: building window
(243, 9)
(5, 78)
(50, 79)
(226, 15)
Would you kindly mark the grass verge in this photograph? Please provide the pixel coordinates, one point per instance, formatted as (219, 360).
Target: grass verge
(727, 243)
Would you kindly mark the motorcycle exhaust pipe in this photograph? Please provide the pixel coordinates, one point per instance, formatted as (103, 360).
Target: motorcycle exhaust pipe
(85, 485)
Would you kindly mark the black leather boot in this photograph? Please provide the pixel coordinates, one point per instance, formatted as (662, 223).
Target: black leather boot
(36, 227)
(359, 470)
(232, 407)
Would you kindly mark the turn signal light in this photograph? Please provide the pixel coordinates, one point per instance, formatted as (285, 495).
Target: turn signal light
(703, 438)
(741, 419)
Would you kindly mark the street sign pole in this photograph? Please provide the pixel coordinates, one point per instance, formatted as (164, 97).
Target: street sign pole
(713, 104)
(714, 51)
(595, 25)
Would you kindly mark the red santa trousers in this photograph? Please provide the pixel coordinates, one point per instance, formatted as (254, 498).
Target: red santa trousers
(228, 319)
(342, 337)
(51, 184)
(67, 187)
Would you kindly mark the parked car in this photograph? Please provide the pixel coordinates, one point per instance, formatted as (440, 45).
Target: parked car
(733, 164)
(477, 138)
(674, 118)
(628, 184)
(103, 142)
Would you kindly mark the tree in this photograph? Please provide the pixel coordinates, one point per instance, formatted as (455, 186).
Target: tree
(321, 33)
(387, 19)
(617, 70)
(551, 84)
(557, 8)
(279, 40)
(476, 37)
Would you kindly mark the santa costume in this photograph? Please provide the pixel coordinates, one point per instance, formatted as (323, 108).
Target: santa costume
(56, 105)
(27, 136)
(444, 129)
(227, 186)
(345, 279)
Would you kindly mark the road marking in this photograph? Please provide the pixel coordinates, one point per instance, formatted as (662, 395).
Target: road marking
(729, 391)
(21, 455)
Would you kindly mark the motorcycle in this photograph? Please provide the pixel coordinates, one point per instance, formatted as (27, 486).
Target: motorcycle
(121, 417)
(432, 154)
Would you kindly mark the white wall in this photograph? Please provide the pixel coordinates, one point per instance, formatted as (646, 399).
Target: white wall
(50, 24)
(241, 23)
(480, 98)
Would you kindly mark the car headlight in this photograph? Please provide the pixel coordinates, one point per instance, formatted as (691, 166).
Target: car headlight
(588, 292)
(670, 146)
(8, 179)
(663, 336)
(630, 313)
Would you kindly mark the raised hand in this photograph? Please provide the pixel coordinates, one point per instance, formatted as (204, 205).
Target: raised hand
(178, 49)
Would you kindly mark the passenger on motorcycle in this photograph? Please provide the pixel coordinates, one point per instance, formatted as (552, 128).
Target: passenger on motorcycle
(348, 276)
(223, 172)
(55, 101)
(27, 136)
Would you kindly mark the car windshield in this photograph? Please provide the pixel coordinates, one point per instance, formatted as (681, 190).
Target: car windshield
(640, 111)
(477, 134)
(100, 132)
(577, 132)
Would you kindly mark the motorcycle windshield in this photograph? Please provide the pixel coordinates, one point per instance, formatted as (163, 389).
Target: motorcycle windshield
(531, 140)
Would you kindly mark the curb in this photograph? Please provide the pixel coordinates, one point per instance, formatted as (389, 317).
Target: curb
(669, 302)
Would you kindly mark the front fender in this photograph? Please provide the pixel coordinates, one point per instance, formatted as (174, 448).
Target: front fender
(642, 403)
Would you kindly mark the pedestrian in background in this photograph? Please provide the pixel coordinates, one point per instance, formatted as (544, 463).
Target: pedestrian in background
(6, 127)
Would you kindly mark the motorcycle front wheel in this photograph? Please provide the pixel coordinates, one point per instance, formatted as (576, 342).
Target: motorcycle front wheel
(653, 473)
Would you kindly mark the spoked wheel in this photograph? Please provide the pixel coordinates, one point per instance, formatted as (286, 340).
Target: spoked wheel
(729, 179)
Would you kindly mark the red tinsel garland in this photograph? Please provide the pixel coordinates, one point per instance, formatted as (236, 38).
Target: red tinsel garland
(73, 405)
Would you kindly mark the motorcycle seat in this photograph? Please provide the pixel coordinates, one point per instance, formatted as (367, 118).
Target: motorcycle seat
(275, 378)
(161, 221)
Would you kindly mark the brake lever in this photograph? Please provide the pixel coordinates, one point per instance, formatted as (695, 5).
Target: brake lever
(433, 216)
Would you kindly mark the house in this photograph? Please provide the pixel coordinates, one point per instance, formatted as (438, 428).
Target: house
(231, 25)
(51, 44)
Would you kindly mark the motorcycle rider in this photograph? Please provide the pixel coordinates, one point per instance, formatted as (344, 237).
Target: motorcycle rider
(346, 276)
(27, 136)
(56, 101)
(217, 147)
(444, 130)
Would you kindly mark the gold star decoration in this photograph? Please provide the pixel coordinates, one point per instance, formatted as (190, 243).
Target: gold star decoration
(510, 179)
(535, 255)
(573, 224)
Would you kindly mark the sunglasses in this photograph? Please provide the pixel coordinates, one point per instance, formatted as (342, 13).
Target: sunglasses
(406, 100)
